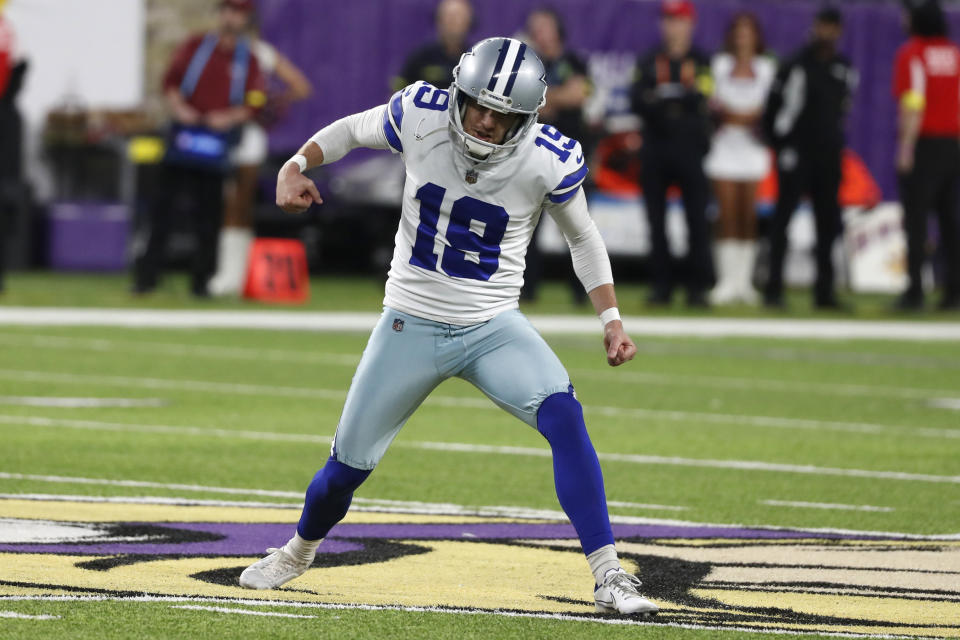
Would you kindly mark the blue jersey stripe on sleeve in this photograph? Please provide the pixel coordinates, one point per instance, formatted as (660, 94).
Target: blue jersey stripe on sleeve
(563, 197)
(396, 109)
(573, 178)
(393, 137)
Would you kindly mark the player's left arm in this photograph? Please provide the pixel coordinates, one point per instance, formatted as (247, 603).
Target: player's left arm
(592, 266)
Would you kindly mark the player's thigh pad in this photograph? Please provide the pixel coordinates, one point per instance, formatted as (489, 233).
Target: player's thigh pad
(512, 364)
(395, 374)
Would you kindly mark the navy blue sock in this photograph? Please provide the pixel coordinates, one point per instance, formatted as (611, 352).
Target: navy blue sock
(576, 470)
(328, 498)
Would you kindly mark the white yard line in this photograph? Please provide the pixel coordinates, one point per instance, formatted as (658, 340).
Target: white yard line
(407, 507)
(200, 386)
(826, 505)
(345, 360)
(463, 447)
(551, 324)
(25, 616)
(93, 425)
(473, 612)
(644, 505)
(80, 403)
(157, 500)
(179, 349)
(243, 389)
(761, 384)
(248, 612)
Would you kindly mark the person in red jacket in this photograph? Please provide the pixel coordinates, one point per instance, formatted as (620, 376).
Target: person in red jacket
(926, 83)
(212, 87)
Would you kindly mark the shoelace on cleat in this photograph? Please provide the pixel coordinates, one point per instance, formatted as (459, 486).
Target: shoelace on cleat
(625, 583)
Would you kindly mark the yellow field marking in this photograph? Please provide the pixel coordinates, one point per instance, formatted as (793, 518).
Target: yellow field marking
(68, 511)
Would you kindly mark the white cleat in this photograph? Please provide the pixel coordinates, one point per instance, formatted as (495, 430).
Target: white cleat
(271, 572)
(619, 593)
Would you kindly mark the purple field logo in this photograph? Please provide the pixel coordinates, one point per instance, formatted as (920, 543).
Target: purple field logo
(801, 581)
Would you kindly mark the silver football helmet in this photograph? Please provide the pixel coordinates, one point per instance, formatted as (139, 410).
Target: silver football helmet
(502, 74)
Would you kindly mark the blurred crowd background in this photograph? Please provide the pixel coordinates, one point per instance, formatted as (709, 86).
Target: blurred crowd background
(735, 147)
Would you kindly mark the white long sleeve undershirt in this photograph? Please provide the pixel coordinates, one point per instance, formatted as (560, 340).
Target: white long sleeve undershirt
(590, 260)
(364, 129)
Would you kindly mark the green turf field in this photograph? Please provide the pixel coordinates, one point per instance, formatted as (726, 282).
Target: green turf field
(778, 437)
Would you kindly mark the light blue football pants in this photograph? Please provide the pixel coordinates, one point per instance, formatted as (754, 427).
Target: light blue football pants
(407, 357)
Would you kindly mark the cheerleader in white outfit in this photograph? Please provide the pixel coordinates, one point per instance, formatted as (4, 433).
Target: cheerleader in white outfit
(738, 160)
(236, 235)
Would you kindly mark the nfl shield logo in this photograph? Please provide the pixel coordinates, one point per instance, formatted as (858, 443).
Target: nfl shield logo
(397, 325)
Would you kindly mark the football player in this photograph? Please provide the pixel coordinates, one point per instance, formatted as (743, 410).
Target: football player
(479, 172)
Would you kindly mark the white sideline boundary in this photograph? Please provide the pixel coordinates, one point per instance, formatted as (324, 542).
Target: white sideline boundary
(547, 324)
(453, 611)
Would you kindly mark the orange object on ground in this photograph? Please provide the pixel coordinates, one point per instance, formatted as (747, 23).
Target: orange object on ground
(277, 271)
(858, 188)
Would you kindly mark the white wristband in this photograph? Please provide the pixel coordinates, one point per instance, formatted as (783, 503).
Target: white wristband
(609, 315)
(300, 160)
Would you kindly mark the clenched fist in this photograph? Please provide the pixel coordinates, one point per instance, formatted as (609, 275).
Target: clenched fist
(619, 346)
(295, 191)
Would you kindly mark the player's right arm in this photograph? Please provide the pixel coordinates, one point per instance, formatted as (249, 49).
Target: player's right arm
(295, 191)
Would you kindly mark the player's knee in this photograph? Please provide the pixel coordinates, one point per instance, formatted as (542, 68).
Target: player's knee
(337, 478)
(561, 416)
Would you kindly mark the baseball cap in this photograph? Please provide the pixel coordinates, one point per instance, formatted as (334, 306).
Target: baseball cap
(678, 9)
(239, 5)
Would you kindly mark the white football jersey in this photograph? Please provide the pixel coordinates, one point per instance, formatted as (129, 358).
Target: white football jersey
(465, 227)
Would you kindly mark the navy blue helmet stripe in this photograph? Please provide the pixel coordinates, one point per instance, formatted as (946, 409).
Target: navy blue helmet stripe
(516, 67)
(496, 70)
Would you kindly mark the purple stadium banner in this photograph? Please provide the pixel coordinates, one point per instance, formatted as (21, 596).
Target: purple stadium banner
(350, 50)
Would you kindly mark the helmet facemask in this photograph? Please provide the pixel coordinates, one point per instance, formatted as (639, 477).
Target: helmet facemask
(483, 150)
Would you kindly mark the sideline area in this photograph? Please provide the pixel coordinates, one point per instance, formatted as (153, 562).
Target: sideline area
(547, 324)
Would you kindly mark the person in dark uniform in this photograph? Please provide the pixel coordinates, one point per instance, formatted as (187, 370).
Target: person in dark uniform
(12, 72)
(434, 62)
(926, 83)
(212, 87)
(567, 91)
(670, 95)
(804, 120)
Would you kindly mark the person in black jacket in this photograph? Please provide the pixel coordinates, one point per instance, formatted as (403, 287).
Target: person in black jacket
(434, 62)
(804, 120)
(670, 95)
(567, 91)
